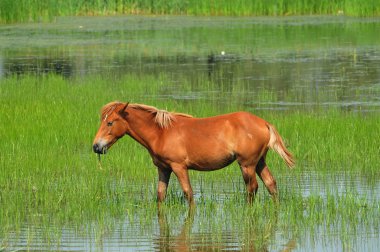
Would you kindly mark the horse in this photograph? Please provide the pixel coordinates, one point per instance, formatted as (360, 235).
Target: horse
(178, 142)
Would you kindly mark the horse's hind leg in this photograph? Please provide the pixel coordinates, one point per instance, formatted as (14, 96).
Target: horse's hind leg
(266, 176)
(249, 177)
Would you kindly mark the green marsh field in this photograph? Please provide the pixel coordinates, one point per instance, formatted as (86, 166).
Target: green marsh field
(48, 10)
(315, 78)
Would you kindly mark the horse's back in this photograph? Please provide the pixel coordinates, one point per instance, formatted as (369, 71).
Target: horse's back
(230, 125)
(213, 142)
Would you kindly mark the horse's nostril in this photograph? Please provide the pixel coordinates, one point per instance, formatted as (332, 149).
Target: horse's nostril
(99, 148)
(95, 147)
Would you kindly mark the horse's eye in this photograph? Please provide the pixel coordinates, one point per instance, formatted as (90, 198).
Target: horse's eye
(109, 124)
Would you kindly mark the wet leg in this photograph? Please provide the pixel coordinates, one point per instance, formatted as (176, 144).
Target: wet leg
(266, 176)
(249, 177)
(183, 177)
(163, 181)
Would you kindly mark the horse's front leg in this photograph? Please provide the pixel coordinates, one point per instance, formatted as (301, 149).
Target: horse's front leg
(163, 181)
(183, 177)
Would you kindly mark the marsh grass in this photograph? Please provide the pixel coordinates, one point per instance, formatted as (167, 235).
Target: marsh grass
(51, 179)
(255, 226)
(26, 10)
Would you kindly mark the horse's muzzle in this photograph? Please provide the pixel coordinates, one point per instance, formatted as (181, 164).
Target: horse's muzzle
(99, 149)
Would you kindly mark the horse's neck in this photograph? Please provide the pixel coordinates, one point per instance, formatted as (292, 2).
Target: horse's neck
(142, 128)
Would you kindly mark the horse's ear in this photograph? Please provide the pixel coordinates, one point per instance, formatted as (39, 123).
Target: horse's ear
(122, 111)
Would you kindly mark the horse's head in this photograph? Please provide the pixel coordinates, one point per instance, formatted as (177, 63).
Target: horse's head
(113, 126)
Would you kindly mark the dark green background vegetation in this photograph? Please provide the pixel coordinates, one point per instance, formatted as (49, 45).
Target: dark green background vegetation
(46, 10)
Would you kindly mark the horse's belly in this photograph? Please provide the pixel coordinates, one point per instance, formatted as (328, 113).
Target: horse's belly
(210, 163)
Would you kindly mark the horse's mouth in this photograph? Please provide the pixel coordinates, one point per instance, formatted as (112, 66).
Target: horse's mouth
(99, 149)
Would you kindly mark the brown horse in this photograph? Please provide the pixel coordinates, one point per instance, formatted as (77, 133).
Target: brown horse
(178, 142)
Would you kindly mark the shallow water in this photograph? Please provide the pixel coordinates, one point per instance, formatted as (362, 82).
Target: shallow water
(306, 62)
(191, 234)
(214, 224)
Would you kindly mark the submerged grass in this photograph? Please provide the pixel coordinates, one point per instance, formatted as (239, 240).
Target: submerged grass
(49, 176)
(26, 10)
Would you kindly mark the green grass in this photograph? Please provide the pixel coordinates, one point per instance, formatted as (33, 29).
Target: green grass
(33, 10)
(50, 177)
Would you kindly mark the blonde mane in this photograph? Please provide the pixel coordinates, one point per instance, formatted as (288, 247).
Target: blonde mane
(162, 118)
(108, 108)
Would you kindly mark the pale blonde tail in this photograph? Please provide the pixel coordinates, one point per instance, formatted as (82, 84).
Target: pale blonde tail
(276, 143)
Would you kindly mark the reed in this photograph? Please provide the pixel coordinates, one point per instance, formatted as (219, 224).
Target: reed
(51, 179)
(43, 10)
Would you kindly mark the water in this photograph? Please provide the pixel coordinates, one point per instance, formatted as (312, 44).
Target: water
(214, 224)
(306, 62)
(322, 61)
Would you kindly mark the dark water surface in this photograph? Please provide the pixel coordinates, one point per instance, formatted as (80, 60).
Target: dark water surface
(322, 61)
(306, 62)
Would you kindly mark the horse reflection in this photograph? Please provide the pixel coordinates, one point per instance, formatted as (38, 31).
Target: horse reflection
(248, 238)
(180, 242)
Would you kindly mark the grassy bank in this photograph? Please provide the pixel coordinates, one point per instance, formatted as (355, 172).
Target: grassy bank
(27, 10)
(50, 177)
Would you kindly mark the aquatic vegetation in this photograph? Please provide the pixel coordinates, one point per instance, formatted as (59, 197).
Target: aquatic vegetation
(54, 194)
(50, 178)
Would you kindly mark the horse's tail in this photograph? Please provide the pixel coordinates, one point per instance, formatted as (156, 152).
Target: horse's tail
(276, 143)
